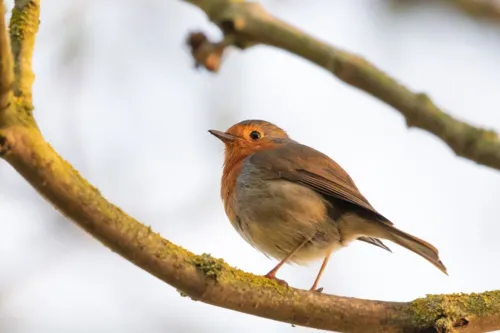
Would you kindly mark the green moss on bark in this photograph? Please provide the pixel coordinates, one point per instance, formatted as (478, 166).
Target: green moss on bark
(209, 265)
(444, 312)
(23, 28)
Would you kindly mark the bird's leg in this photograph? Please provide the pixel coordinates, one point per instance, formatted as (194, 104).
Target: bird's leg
(272, 272)
(323, 266)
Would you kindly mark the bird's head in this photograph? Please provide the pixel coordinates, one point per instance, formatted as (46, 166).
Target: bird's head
(249, 136)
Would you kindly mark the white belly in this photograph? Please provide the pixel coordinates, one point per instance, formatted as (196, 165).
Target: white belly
(277, 216)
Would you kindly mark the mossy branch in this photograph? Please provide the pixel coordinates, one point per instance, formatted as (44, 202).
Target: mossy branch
(203, 277)
(249, 24)
(23, 28)
(6, 72)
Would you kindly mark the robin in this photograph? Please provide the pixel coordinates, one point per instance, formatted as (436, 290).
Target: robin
(295, 204)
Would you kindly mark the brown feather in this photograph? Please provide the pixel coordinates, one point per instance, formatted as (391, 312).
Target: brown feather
(309, 167)
(374, 241)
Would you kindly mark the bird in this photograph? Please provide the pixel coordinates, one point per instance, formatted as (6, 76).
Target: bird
(295, 204)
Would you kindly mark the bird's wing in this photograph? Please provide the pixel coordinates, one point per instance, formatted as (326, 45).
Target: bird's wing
(307, 166)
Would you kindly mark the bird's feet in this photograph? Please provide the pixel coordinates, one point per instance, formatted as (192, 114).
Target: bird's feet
(317, 290)
(273, 277)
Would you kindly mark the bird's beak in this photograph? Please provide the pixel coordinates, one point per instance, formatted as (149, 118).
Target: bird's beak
(224, 137)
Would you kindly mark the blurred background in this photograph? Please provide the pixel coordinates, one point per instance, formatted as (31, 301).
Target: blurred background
(117, 95)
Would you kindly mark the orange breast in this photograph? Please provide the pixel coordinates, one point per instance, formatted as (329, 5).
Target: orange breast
(233, 163)
(228, 186)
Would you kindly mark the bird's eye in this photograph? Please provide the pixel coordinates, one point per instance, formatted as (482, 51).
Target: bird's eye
(254, 135)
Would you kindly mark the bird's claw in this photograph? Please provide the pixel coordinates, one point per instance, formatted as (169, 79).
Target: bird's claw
(318, 290)
(272, 277)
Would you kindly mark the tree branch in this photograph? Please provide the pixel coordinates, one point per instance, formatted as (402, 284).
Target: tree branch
(23, 28)
(208, 279)
(479, 9)
(249, 24)
(6, 72)
(488, 10)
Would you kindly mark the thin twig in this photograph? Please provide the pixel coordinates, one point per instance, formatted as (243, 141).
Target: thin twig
(250, 24)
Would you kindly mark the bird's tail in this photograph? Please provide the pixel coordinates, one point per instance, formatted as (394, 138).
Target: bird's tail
(412, 243)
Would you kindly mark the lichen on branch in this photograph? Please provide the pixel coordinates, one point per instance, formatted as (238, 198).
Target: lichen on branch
(6, 64)
(449, 312)
(24, 24)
